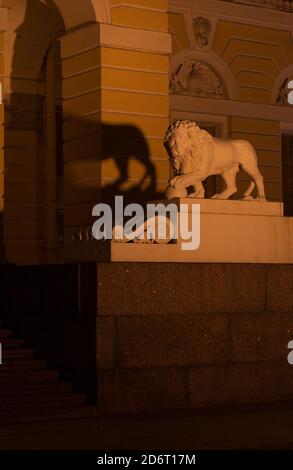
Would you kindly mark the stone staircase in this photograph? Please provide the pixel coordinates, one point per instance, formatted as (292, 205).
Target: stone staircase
(31, 392)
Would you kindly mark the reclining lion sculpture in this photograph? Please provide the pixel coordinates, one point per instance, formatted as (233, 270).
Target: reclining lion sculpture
(195, 155)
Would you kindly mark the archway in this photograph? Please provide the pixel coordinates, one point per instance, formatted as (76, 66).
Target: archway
(280, 96)
(92, 11)
(280, 90)
(33, 74)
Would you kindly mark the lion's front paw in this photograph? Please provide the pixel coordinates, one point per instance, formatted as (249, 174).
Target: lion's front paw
(172, 181)
(198, 195)
(218, 196)
(177, 182)
(225, 194)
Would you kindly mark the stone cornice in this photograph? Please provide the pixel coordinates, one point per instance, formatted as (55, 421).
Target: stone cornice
(242, 11)
(282, 5)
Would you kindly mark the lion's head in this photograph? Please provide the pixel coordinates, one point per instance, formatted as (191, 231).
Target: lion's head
(184, 142)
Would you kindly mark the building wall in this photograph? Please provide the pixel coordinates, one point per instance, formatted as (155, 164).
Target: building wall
(265, 136)
(81, 71)
(245, 43)
(3, 27)
(255, 55)
(158, 336)
(135, 88)
(1, 146)
(31, 29)
(190, 335)
(115, 111)
(117, 60)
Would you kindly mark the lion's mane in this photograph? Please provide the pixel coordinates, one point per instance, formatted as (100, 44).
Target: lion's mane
(198, 138)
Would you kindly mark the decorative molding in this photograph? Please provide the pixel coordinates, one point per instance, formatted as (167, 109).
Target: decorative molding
(140, 235)
(102, 11)
(202, 28)
(197, 78)
(230, 11)
(91, 10)
(131, 38)
(3, 18)
(98, 34)
(280, 91)
(282, 96)
(230, 108)
(115, 89)
(286, 127)
(137, 7)
(199, 73)
(283, 5)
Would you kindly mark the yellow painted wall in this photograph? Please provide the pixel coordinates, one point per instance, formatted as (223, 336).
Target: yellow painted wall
(255, 55)
(109, 92)
(23, 206)
(1, 150)
(24, 197)
(264, 135)
(177, 27)
(140, 14)
(104, 89)
(135, 92)
(81, 135)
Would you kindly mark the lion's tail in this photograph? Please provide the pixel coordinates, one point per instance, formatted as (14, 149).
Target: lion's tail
(249, 190)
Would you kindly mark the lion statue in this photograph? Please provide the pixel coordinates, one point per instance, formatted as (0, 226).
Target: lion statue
(195, 155)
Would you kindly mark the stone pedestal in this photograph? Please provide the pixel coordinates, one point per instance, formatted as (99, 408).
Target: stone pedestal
(184, 335)
(231, 232)
(187, 328)
(140, 337)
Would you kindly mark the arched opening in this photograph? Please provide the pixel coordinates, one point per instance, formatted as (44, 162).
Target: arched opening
(34, 168)
(91, 11)
(30, 127)
(34, 121)
(280, 97)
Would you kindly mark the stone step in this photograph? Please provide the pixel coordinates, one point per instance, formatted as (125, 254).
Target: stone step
(32, 388)
(51, 400)
(5, 334)
(37, 374)
(31, 392)
(45, 415)
(8, 343)
(13, 353)
(21, 364)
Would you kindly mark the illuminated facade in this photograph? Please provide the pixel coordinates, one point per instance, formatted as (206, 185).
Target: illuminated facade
(115, 75)
(89, 89)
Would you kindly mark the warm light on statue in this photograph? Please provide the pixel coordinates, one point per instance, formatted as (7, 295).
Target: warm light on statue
(195, 155)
